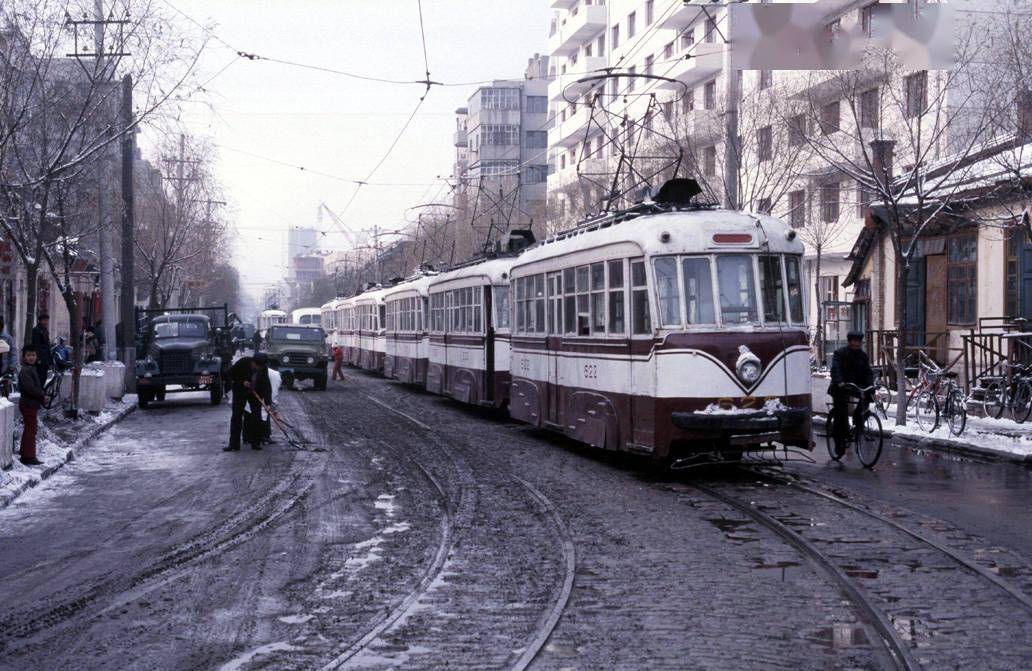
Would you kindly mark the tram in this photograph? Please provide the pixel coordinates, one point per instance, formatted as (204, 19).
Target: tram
(306, 317)
(270, 318)
(670, 329)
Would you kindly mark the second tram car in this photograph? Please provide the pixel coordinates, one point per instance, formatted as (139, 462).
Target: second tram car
(370, 339)
(306, 317)
(270, 318)
(469, 333)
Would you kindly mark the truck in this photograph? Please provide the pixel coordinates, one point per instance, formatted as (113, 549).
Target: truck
(298, 353)
(181, 350)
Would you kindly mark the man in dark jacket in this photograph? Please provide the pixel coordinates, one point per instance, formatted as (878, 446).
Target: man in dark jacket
(41, 344)
(249, 374)
(29, 405)
(849, 365)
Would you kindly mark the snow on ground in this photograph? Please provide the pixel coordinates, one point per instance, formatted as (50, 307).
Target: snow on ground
(1003, 436)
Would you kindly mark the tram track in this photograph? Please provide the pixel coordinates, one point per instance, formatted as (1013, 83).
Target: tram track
(547, 623)
(893, 575)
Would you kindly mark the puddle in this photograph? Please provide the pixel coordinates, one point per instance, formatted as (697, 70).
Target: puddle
(727, 525)
(1006, 571)
(295, 619)
(857, 572)
(842, 635)
(782, 570)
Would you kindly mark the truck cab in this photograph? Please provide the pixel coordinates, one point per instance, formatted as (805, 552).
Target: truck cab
(298, 353)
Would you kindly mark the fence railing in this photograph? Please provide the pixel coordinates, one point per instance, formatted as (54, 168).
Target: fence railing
(934, 345)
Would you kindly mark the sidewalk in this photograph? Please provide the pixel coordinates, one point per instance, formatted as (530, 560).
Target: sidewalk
(58, 443)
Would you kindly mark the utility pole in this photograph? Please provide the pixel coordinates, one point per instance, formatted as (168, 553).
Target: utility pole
(732, 148)
(107, 265)
(128, 297)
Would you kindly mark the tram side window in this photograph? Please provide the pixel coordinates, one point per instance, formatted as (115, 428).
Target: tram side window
(598, 298)
(772, 289)
(641, 322)
(500, 302)
(475, 307)
(539, 304)
(583, 323)
(616, 298)
(554, 285)
(698, 290)
(737, 288)
(795, 288)
(380, 313)
(667, 291)
(569, 302)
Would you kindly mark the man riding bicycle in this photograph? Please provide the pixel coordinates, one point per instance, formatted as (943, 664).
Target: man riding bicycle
(849, 365)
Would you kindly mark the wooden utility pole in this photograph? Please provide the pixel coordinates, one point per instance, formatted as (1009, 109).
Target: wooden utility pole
(128, 297)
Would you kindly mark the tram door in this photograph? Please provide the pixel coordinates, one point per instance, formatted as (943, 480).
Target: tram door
(554, 346)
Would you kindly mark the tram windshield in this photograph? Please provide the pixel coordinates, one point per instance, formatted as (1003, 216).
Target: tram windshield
(731, 289)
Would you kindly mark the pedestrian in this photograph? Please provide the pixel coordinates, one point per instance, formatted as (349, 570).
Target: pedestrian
(338, 363)
(249, 374)
(90, 346)
(29, 404)
(8, 362)
(257, 341)
(41, 344)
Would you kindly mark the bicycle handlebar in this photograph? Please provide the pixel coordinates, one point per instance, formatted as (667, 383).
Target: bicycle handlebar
(862, 390)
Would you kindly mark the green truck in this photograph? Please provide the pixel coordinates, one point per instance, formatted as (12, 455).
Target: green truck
(298, 353)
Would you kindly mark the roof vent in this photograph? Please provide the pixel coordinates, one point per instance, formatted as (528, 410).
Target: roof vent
(678, 192)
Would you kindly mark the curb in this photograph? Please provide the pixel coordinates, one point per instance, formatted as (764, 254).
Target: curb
(90, 434)
(949, 447)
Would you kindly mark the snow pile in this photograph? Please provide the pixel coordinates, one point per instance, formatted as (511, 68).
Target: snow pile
(976, 437)
(772, 406)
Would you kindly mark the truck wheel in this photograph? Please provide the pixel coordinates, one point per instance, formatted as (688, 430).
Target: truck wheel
(320, 382)
(159, 393)
(144, 398)
(216, 392)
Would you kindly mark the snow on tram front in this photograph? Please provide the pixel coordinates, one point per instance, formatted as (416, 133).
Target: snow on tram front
(670, 330)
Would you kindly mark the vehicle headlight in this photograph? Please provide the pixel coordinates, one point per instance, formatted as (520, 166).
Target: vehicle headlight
(749, 371)
(311, 360)
(285, 358)
(149, 360)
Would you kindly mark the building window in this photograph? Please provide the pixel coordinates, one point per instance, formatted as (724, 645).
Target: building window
(866, 16)
(537, 104)
(797, 131)
(916, 89)
(500, 99)
(600, 45)
(500, 135)
(709, 161)
(615, 37)
(830, 118)
(562, 162)
(649, 60)
(497, 168)
(688, 104)
(829, 288)
(797, 208)
(864, 198)
(766, 79)
(632, 71)
(650, 12)
(588, 50)
(869, 103)
(687, 38)
(535, 174)
(709, 95)
(668, 51)
(830, 194)
(962, 278)
(711, 30)
(537, 139)
(765, 143)
(632, 19)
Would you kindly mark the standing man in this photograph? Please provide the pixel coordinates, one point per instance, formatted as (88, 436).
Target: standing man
(248, 374)
(338, 363)
(257, 340)
(41, 345)
(29, 404)
(849, 365)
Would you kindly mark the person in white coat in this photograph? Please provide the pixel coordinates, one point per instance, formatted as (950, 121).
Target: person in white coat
(275, 381)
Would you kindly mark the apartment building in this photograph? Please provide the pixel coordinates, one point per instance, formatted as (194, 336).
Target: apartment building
(501, 141)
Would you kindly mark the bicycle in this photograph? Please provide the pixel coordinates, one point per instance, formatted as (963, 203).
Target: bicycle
(1015, 395)
(923, 399)
(954, 404)
(52, 387)
(865, 435)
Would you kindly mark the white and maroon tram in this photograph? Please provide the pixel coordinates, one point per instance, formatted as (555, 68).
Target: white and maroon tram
(469, 333)
(667, 333)
(369, 338)
(408, 340)
(328, 316)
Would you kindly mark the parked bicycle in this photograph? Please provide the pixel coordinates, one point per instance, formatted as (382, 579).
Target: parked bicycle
(952, 402)
(1014, 395)
(52, 386)
(923, 398)
(866, 435)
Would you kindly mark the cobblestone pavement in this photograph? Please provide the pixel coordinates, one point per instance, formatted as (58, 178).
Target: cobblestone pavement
(412, 532)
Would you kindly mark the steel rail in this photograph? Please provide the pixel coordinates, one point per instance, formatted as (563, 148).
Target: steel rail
(887, 634)
(962, 561)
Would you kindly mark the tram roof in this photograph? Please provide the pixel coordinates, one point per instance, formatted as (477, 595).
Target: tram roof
(273, 313)
(690, 232)
(420, 284)
(495, 270)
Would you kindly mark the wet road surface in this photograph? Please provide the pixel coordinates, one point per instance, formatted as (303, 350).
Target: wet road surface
(412, 532)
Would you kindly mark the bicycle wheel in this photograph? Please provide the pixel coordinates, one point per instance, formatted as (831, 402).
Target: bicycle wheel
(927, 411)
(993, 401)
(1021, 404)
(956, 411)
(882, 399)
(829, 438)
(869, 440)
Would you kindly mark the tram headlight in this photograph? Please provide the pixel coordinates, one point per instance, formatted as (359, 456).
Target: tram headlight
(749, 371)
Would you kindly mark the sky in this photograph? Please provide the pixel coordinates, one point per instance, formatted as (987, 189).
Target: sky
(336, 124)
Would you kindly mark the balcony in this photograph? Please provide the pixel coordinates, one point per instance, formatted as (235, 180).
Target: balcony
(707, 60)
(571, 31)
(461, 137)
(686, 15)
(562, 4)
(584, 67)
(570, 133)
